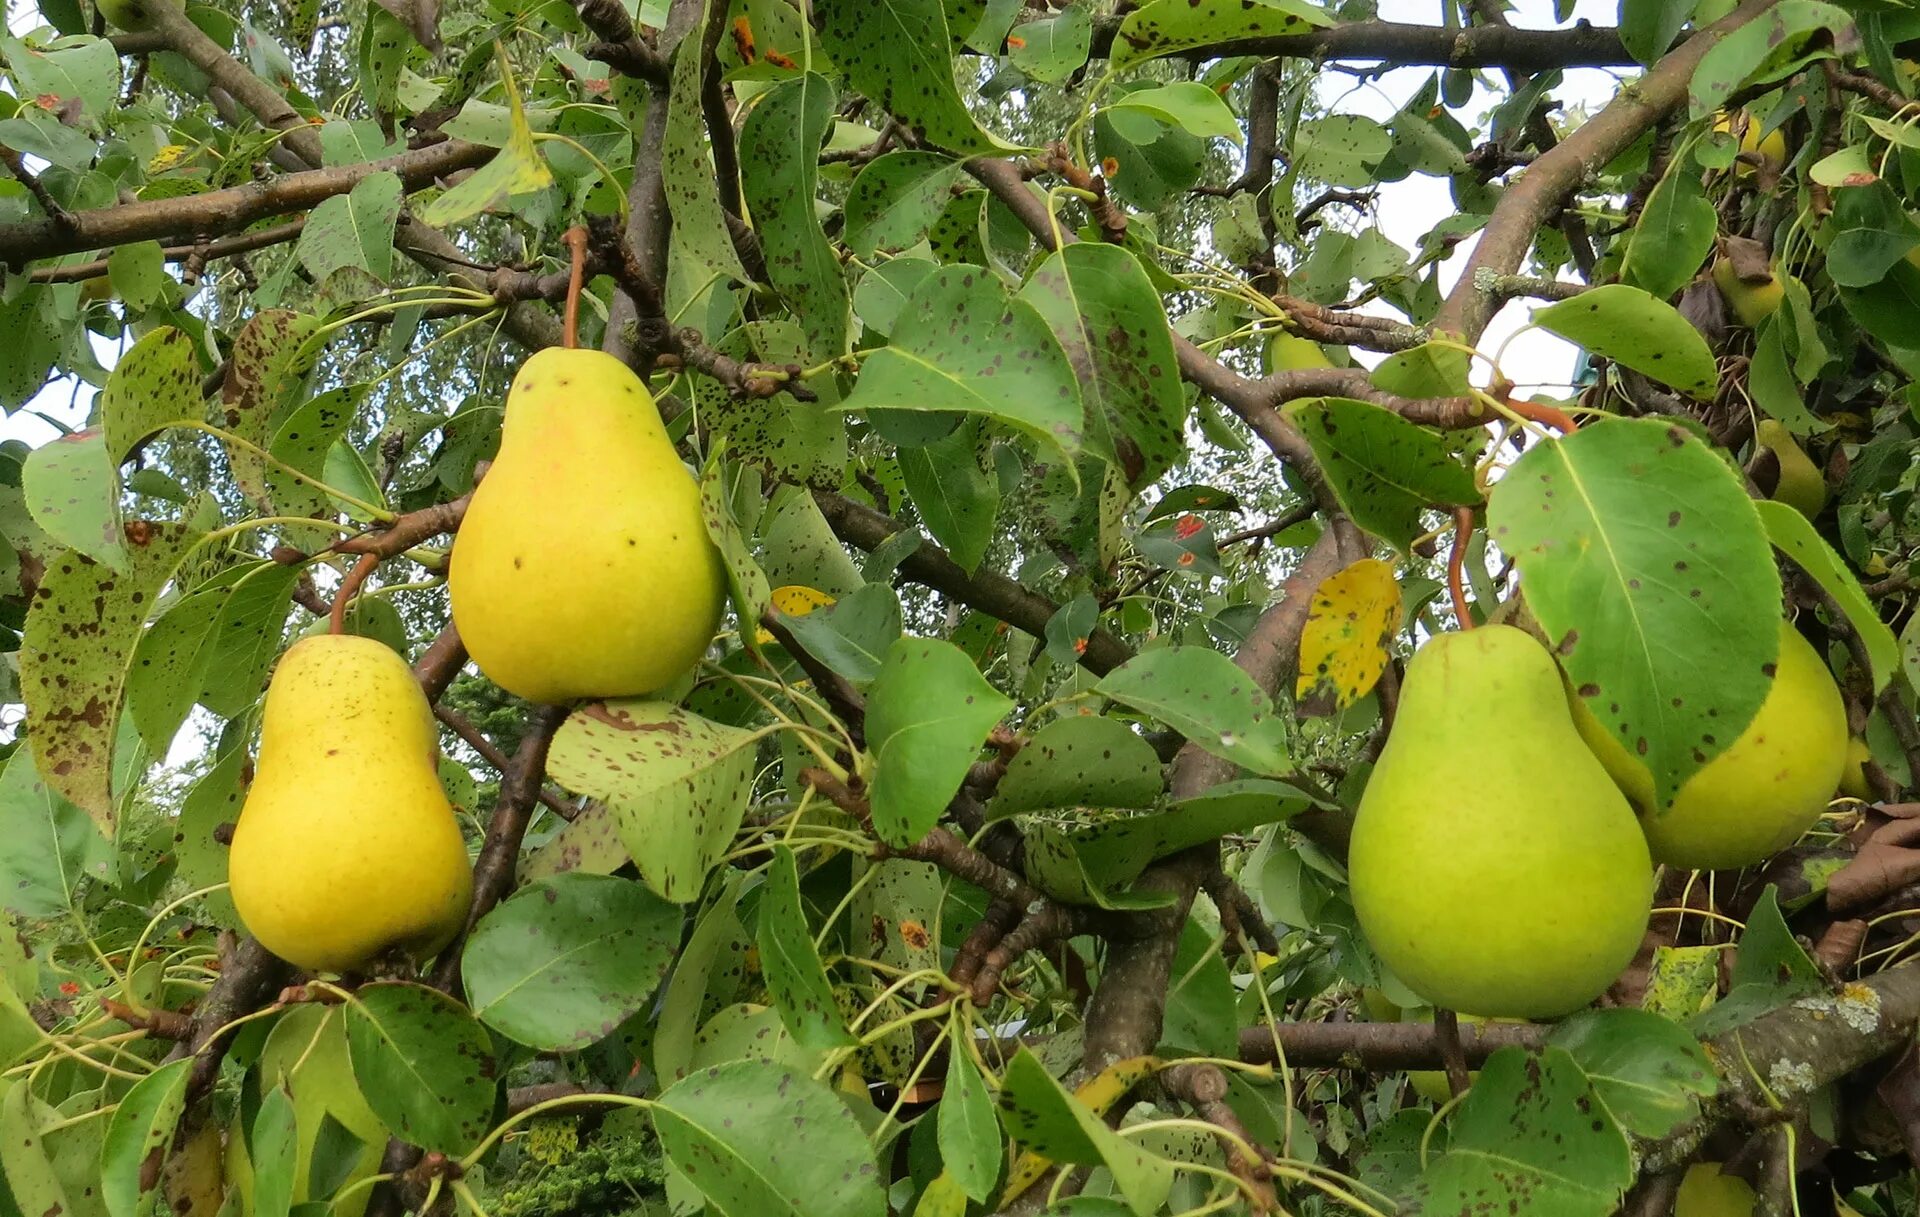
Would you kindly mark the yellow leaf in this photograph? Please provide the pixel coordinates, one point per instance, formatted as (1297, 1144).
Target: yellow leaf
(797, 601)
(167, 158)
(1343, 649)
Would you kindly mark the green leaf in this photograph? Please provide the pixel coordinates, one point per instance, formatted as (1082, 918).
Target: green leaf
(1528, 1138)
(138, 274)
(1867, 233)
(1648, 27)
(896, 53)
(884, 292)
(1340, 149)
(796, 979)
(800, 442)
(686, 166)
(1053, 48)
(711, 948)
(1890, 309)
(1676, 230)
(1794, 535)
(1081, 761)
(566, 961)
(1429, 370)
(1200, 1003)
(1770, 956)
(1201, 694)
(26, 1169)
(79, 640)
(1188, 105)
(1759, 50)
(354, 229)
(142, 1124)
(269, 362)
(1166, 27)
(713, 1127)
(677, 783)
(1156, 163)
(273, 1151)
(747, 584)
(956, 498)
(779, 150)
(1633, 329)
(51, 844)
(88, 73)
(1383, 469)
(1042, 1116)
(964, 345)
(896, 199)
(1648, 1070)
(423, 1063)
(851, 635)
(1646, 563)
(303, 442)
(1100, 305)
(73, 490)
(969, 1137)
(928, 712)
(517, 169)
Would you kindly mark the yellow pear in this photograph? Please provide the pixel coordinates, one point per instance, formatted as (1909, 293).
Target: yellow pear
(346, 847)
(1751, 302)
(583, 567)
(1770, 148)
(1853, 774)
(1802, 486)
(1292, 353)
(1705, 1192)
(1494, 867)
(1758, 796)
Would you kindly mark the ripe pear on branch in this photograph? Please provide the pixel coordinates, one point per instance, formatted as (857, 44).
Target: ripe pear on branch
(583, 568)
(1747, 280)
(1764, 791)
(346, 848)
(1494, 866)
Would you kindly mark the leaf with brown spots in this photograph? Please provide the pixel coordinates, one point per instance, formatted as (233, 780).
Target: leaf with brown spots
(897, 52)
(155, 385)
(1645, 562)
(1531, 1137)
(79, 641)
(266, 368)
(677, 785)
(1343, 649)
(424, 1064)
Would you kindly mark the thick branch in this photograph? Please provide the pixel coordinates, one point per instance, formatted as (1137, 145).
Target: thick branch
(995, 595)
(1552, 179)
(1405, 45)
(1378, 1047)
(205, 251)
(180, 221)
(440, 662)
(250, 976)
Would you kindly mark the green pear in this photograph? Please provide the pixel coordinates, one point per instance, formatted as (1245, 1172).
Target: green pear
(130, 15)
(1705, 1192)
(346, 848)
(1291, 353)
(1758, 796)
(1752, 302)
(1853, 775)
(583, 567)
(1494, 867)
(1801, 486)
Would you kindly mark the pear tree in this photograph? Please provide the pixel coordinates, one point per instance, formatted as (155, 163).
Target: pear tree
(952, 607)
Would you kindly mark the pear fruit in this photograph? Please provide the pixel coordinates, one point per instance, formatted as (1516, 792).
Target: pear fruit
(1705, 1192)
(1758, 796)
(1494, 866)
(1853, 774)
(1801, 486)
(346, 847)
(583, 568)
(1752, 302)
(1292, 353)
(1771, 148)
(129, 15)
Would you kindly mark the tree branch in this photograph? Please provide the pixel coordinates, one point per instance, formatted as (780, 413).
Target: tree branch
(1406, 45)
(205, 251)
(1545, 187)
(457, 723)
(183, 221)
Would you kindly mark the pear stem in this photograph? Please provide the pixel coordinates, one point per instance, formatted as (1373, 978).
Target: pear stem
(1539, 412)
(337, 620)
(1456, 565)
(576, 239)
